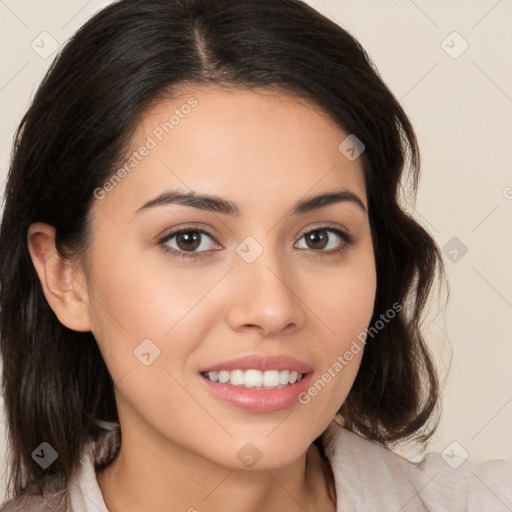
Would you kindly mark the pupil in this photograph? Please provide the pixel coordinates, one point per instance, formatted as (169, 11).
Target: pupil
(317, 237)
(187, 237)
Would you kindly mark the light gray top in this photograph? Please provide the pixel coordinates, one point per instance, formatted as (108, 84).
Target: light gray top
(368, 477)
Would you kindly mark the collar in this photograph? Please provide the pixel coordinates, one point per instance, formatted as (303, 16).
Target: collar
(364, 472)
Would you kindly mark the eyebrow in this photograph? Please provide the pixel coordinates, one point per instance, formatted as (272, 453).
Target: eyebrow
(217, 204)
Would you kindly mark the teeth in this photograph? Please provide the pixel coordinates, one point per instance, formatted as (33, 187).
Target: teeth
(269, 379)
(236, 377)
(223, 377)
(252, 378)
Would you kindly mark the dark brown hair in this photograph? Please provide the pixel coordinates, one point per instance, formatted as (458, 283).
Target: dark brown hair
(126, 58)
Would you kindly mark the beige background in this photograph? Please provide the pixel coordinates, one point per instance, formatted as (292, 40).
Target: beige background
(461, 107)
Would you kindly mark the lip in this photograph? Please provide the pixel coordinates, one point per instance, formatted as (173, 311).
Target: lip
(258, 400)
(262, 363)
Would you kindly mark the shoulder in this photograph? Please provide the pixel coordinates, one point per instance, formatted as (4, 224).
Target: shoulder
(485, 486)
(47, 502)
(82, 491)
(367, 475)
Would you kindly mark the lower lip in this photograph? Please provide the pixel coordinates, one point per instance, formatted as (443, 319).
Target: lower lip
(258, 400)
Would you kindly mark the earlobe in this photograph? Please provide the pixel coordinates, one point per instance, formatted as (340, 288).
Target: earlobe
(60, 280)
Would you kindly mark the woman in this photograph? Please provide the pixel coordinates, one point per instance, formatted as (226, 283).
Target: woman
(210, 294)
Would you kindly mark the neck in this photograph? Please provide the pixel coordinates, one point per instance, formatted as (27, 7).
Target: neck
(159, 475)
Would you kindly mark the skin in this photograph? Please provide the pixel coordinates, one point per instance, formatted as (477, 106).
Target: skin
(265, 151)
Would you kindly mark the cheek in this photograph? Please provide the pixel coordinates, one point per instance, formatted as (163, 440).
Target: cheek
(342, 303)
(343, 299)
(145, 322)
(143, 303)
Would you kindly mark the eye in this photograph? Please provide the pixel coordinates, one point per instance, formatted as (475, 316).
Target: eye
(187, 242)
(190, 242)
(326, 237)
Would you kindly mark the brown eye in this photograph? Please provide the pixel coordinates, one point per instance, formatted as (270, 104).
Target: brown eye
(183, 241)
(188, 240)
(319, 239)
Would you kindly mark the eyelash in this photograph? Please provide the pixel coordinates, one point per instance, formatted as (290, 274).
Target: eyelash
(347, 241)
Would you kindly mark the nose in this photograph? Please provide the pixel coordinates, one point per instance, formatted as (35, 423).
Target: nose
(265, 296)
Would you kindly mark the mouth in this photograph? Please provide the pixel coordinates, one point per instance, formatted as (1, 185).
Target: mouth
(255, 379)
(259, 384)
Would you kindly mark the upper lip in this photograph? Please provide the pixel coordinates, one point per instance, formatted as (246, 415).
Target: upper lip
(261, 362)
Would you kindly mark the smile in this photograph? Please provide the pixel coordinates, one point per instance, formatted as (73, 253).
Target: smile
(252, 378)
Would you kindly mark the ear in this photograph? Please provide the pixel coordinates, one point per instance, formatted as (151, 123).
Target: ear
(63, 284)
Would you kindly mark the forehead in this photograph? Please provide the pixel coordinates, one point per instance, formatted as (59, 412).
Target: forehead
(257, 147)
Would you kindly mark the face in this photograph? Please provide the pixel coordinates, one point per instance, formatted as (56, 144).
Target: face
(177, 288)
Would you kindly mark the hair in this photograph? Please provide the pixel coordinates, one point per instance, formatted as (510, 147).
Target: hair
(125, 59)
